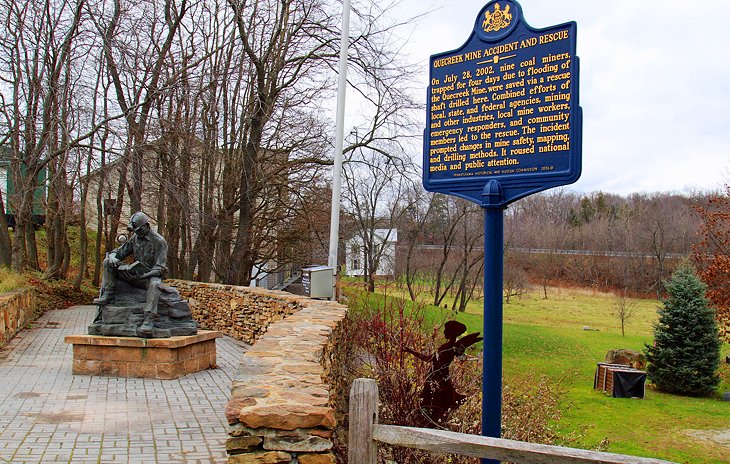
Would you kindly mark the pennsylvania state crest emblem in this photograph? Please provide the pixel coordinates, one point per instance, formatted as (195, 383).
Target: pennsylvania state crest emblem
(496, 20)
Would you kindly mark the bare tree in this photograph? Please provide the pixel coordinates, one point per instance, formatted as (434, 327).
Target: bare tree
(282, 42)
(515, 278)
(413, 227)
(287, 45)
(449, 215)
(471, 263)
(36, 54)
(374, 195)
(624, 308)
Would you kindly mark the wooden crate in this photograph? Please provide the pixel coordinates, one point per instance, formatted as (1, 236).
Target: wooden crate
(605, 376)
(602, 378)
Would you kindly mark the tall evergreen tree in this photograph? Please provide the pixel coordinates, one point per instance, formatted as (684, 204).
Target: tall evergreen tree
(686, 352)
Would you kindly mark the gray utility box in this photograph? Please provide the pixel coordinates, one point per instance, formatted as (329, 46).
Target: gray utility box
(318, 281)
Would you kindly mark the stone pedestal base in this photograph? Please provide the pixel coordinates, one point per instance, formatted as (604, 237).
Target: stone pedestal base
(155, 358)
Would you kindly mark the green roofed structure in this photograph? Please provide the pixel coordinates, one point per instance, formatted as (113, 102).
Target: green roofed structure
(7, 188)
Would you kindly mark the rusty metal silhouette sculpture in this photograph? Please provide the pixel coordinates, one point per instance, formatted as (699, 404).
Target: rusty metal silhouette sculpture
(438, 396)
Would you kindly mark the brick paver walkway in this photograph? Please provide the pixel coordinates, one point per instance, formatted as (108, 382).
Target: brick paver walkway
(49, 415)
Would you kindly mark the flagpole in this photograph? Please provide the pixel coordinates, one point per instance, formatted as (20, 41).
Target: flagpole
(339, 136)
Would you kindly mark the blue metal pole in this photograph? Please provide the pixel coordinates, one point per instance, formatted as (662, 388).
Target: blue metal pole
(493, 277)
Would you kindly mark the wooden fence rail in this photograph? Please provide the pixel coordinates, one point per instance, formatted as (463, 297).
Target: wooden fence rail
(365, 432)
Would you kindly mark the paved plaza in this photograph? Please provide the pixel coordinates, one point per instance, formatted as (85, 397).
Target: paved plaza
(48, 415)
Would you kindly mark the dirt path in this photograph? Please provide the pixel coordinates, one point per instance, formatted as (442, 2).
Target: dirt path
(721, 437)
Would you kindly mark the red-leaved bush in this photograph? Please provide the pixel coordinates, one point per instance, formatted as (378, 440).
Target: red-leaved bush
(379, 333)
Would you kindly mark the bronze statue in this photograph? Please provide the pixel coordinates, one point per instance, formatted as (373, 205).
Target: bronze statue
(150, 254)
(134, 289)
(438, 396)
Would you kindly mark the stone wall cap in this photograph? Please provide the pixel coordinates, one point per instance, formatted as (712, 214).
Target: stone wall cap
(288, 416)
(14, 293)
(171, 342)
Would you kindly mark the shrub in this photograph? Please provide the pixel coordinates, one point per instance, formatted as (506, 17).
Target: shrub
(11, 281)
(713, 256)
(686, 352)
(379, 330)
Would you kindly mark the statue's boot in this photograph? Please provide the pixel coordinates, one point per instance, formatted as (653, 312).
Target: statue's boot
(104, 298)
(147, 328)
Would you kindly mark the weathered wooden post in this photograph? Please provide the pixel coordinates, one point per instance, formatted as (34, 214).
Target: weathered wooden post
(361, 448)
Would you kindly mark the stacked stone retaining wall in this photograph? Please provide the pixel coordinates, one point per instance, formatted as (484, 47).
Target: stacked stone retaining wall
(284, 392)
(243, 313)
(16, 313)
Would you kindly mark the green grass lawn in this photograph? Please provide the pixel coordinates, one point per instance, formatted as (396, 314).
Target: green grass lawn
(547, 337)
(10, 281)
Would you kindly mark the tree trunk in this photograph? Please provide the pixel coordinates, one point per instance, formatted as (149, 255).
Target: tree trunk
(371, 283)
(114, 219)
(83, 235)
(17, 249)
(83, 246)
(6, 253)
(241, 264)
(55, 222)
(31, 247)
(410, 275)
(66, 263)
(25, 230)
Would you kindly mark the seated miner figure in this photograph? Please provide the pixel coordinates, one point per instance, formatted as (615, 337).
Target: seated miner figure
(149, 250)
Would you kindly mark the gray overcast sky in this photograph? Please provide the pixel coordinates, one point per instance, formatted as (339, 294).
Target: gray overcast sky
(654, 84)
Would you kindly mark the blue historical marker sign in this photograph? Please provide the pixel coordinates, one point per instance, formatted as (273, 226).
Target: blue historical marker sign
(503, 123)
(504, 108)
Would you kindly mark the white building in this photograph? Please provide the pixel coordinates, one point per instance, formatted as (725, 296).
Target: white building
(384, 241)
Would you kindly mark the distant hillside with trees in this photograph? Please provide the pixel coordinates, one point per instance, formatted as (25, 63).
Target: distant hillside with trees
(594, 240)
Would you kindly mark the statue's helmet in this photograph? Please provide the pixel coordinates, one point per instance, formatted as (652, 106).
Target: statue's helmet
(137, 220)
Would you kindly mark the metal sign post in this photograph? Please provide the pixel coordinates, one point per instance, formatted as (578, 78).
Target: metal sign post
(503, 122)
(492, 325)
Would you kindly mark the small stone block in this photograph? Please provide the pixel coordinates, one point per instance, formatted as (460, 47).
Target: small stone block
(143, 370)
(298, 444)
(80, 352)
(269, 457)
(316, 458)
(85, 367)
(190, 365)
(159, 355)
(238, 445)
(113, 369)
(126, 354)
(169, 371)
(201, 348)
(186, 352)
